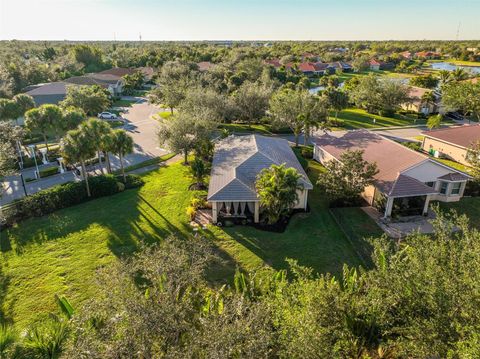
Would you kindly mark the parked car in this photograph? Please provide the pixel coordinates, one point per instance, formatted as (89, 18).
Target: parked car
(107, 116)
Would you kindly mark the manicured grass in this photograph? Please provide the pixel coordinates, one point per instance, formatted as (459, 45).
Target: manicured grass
(152, 161)
(354, 118)
(264, 129)
(313, 239)
(358, 227)
(464, 63)
(453, 164)
(467, 205)
(60, 253)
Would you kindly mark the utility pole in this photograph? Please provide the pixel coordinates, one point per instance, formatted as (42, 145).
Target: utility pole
(458, 31)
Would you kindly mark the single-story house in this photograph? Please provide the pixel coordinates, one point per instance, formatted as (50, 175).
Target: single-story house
(452, 142)
(427, 55)
(114, 83)
(406, 181)
(237, 161)
(407, 55)
(377, 65)
(418, 103)
(341, 65)
(48, 93)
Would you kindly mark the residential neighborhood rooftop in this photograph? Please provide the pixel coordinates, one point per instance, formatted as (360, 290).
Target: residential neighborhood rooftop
(239, 159)
(463, 136)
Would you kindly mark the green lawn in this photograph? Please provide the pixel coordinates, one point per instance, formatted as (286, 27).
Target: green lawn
(123, 103)
(264, 129)
(354, 118)
(60, 253)
(467, 205)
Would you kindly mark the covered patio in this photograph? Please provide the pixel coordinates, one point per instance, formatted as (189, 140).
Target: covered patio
(236, 209)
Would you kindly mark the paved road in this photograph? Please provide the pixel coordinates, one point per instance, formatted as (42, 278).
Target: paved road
(139, 124)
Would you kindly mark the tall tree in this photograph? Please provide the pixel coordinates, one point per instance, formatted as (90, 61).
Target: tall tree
(344, 180)
(299, 110)
(91, 99)
(53, 116)
(101, 134)
(463, 96)
(35, 122)
(121, 144)
(336, 100)
(77, 146)
(251, 100)
(277, 189)
(184, 131)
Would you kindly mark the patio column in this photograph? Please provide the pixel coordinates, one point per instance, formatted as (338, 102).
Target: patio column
(462, 188)
(425, 207)
(256, 212)
(214, 212)
(388, 207)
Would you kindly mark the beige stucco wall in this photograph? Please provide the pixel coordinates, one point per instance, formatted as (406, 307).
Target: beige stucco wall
(321, 156)
(302, 199)
(368, 194)
(451, 151)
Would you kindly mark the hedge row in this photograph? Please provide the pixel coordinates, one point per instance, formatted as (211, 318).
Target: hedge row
(65, 195)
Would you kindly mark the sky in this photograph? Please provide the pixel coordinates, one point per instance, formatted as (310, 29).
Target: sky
(239, 19)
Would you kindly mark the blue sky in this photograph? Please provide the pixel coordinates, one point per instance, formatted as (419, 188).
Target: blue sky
(239, 20)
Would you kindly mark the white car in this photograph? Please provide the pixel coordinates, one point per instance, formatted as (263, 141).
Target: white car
(107, 116)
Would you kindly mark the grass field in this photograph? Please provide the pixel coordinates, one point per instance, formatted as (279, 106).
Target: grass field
(264, 129)
(60, 253)
(469, 206)
(354, 118)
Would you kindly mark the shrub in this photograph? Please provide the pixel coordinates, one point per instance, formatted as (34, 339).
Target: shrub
(132, 181)
(191, 212)
(105, 185)
(416, 146)
(30, 162)
(198, 202)
(50, 171)
(62, 196)
(307, 152)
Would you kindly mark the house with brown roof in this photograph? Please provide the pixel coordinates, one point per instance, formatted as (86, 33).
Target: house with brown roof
(420, 101)
(452, 142)
(406, 181)
(204, 65)
(376, 65)
(48, 93)
(427, 55)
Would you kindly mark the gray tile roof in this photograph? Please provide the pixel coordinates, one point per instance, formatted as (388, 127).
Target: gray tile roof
(406, 186)
(239, 159)
(455, 176)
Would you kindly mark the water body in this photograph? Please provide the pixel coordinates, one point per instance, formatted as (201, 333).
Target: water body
(451, 67)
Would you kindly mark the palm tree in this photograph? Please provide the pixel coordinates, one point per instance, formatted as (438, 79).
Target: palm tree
(121, 145)
(199, 171)
(444, 76)
(34, 121)
(459, 74)
(101, 133)
(78, 146)
(277, 189)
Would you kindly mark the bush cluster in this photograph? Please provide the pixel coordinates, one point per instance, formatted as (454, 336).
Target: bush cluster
(50, 171)
(65, 195)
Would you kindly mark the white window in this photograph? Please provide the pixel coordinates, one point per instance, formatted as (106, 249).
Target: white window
(443, 187)
(456, 188)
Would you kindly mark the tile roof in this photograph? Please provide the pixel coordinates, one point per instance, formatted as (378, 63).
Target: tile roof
(406, 186)
(52, 88)
(105, 78)
(118, 71)
(204, 65)
(239, 159)
(85, 80)
(463, 136)
(455, 176)
(391, 157)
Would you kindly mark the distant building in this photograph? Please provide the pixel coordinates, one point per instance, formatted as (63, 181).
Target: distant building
(407, 55)
(418, 103)
(376, 65)
(204, 65)
(427, 55)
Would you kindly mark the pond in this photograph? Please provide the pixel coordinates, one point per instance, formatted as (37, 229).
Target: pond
(451, 67)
